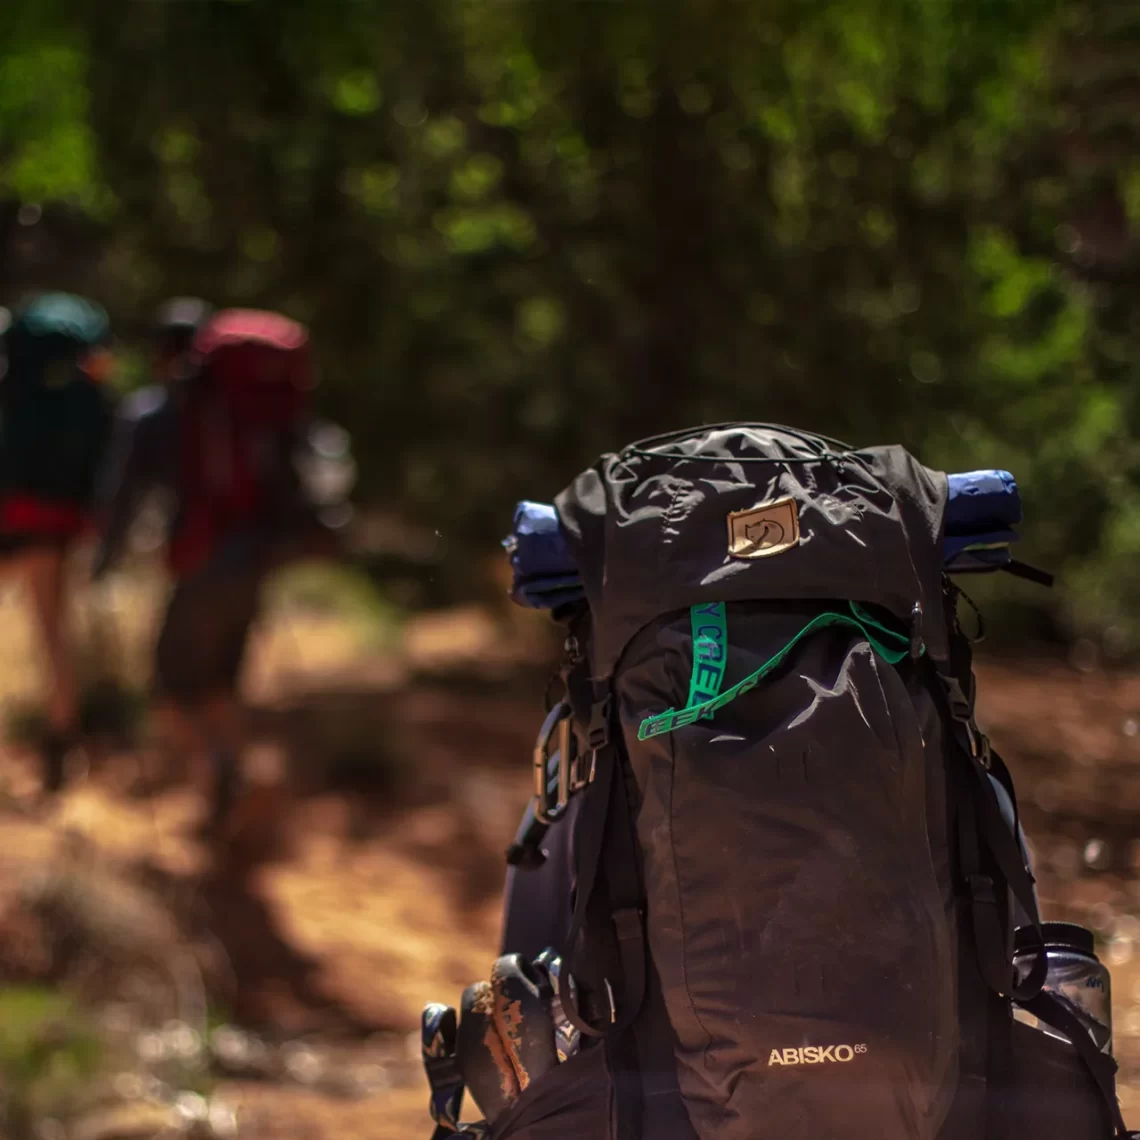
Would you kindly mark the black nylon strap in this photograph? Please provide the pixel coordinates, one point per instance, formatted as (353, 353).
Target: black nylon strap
(625, 897)
(984, 977)
(1000, 772)
(1029, 573)
(1101, 1067)
(590, 836)
(999, 839)
(998, 1047)
(973, 1114)
(1002, 846)
(605, 834)
(988, 919)
(1006, 850)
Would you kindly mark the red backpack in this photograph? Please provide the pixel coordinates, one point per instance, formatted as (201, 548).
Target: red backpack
(243, 408)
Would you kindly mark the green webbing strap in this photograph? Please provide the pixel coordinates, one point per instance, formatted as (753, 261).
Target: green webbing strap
(708, 672)
(710, 640)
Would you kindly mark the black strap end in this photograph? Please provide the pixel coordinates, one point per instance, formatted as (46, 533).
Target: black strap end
(1030, 573)
(525, 856)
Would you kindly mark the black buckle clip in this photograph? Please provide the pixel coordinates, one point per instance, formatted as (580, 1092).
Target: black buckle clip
(981, 889)
(598, 734)
(985, 754)
(961, 707)
(628, 923)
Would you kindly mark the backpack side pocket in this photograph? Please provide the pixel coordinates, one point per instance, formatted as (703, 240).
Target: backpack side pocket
(1050, 1094)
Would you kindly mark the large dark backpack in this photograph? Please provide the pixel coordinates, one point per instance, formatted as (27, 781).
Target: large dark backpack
(243, 413)
(795, 889)
(55, 417)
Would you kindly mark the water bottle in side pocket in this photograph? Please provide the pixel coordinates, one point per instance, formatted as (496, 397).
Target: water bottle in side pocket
(1076, 976)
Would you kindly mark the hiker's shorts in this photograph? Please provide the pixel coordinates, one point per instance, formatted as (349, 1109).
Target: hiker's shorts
(201, 647)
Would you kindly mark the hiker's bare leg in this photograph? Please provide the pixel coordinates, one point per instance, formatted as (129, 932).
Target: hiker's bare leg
(202, 739)
(224, 726)
(44, 571)
(177, 744)
(225, 720)
(198, 662)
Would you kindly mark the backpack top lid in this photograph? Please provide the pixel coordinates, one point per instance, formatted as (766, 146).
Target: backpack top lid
(250, 348)
(250, 326)
(49, 334)
(731, 512)
(52, 327)
(62, 314)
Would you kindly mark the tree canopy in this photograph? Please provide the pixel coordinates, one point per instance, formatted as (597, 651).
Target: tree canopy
(524, 233)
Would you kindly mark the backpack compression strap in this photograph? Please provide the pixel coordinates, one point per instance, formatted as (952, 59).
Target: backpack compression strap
(709, 635)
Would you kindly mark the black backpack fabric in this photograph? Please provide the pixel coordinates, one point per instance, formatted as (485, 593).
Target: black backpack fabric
(794, 888)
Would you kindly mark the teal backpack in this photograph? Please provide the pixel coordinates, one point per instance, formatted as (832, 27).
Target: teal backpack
(54, 416)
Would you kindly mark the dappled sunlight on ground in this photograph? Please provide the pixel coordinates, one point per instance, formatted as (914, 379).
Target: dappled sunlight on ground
(370, 877)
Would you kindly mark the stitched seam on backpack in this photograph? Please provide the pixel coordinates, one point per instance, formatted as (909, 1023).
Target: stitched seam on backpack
(667, 521)
(680, 895)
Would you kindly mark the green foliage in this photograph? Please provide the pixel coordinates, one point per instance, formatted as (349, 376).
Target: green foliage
(48, 1056)
(526, 233)
(329, 590)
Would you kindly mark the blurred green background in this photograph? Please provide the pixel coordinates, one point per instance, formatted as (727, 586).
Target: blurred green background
(526, 231)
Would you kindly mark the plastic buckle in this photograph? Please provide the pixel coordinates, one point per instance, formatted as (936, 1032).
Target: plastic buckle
(598, 734)
(580, 773)
(547, 808)
(979, 744)
(961, 707)
(985, 754)
(915, 646)
(628, 923)
(962, 711)
(981, 889)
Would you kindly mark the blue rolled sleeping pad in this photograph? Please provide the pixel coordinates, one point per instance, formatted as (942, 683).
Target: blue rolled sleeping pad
(982, 508)
(545, 576)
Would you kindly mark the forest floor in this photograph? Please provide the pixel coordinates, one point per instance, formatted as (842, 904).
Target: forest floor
(393, 776)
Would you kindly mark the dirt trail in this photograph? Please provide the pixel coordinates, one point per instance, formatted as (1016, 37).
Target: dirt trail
(357, 908)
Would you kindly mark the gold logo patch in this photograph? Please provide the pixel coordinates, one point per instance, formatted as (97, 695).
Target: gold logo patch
(770, 528)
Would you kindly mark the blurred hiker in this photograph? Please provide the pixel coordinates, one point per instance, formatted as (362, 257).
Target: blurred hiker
(55, 417)
(176, 324)
(143, 457)
(223, 440)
